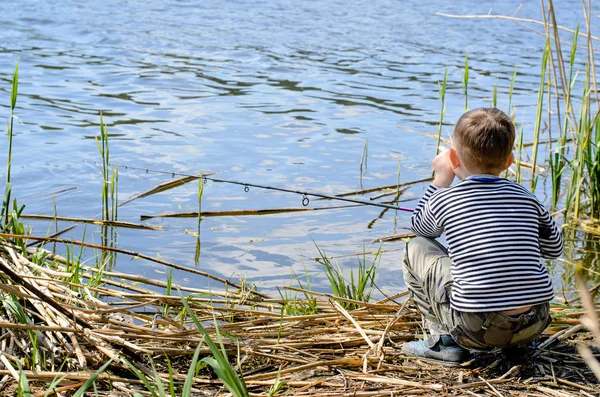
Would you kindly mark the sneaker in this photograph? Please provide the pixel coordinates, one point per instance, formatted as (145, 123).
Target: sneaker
(446, 351)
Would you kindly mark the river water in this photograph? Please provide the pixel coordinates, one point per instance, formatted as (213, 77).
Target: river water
(282, 93)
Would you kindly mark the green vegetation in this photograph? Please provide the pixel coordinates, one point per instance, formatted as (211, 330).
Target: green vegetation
(442, 88)
(573, 170)
(291, 304)
(8, 187)
(359, 286)
(110, 182)
(465, 82)
(219, 362)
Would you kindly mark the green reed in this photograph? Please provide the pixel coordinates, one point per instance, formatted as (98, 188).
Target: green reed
(294, 306)
(510, 112)
(201, 182)
(109, 196)
(495, 95)
(5, 214)
(465, 82)
(12, 305)
(359, 286)
(518, 175)
(219, 362)
(577, 154)
(363, 161)
(442, 90)
(538, 117)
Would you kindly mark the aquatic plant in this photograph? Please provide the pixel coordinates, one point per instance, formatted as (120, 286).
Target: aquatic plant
(8, 187)
(359, 286)
(109, 196)
(538, 118)
(201, 182)
(219, 362)
(465, 82)
(442, 90)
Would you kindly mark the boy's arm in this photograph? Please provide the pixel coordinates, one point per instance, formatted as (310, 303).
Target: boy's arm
(551, 242)
(423, 220)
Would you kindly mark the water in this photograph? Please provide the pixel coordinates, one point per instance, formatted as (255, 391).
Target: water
(281, 93)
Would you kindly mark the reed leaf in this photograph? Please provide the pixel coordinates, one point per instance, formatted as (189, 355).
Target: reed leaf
(81, 391)
(218, 362)
(15, 88)
(442, 90)
(510, 92)
(538, 118)
(162, 187)
(149, 386)
(465, 82)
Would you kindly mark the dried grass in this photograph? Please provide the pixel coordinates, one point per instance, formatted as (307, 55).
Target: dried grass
(333, 353)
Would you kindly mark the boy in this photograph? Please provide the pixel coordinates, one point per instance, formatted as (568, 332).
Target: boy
(488, 289)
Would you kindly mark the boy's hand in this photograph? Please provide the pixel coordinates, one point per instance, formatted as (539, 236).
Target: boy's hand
(444, 174)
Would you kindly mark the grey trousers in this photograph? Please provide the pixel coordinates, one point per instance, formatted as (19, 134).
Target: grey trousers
(427, 275)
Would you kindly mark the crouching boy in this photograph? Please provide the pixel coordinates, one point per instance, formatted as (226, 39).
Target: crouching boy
(488, 289)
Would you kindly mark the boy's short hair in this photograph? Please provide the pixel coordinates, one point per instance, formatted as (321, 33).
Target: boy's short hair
(485, 139)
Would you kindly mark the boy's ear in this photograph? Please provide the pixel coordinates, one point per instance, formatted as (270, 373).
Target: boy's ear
(453, 157)
(510, 160)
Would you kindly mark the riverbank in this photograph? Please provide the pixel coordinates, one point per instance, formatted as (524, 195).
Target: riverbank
(116, 335)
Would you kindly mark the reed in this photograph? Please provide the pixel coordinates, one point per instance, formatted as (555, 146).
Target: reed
(359, 286)
(538, 117)
(218, 362)
(109, 196)
(8, 187)
(465, 82)
(201, 183)
(574, 162)
(511, 111)
(23, 389)
(582, 164)
(291, 304)
(363, 161)
(495, 94)
(442, 91)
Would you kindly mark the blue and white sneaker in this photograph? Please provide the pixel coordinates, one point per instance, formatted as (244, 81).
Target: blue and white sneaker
(445, 352)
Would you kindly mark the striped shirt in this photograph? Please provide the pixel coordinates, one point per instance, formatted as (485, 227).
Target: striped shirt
(496, 231)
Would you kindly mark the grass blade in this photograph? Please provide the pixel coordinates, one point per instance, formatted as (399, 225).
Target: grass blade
(80, 392)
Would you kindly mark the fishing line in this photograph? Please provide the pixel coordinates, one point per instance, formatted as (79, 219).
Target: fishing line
(305, 195)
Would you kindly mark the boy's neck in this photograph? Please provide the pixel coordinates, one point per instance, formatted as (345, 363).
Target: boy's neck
(464, 173)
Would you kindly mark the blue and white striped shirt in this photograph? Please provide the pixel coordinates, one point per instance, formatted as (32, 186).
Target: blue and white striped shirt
(496, 231)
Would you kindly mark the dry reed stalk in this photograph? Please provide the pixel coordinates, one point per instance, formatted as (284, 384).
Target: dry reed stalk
(591, 322)
(401, 382)
(128, 225)
(488, 16)
(162, 187)
(395, 237)
(253, 212)
(59, 390)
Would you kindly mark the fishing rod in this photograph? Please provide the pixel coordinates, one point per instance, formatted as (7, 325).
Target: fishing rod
(247, 186)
